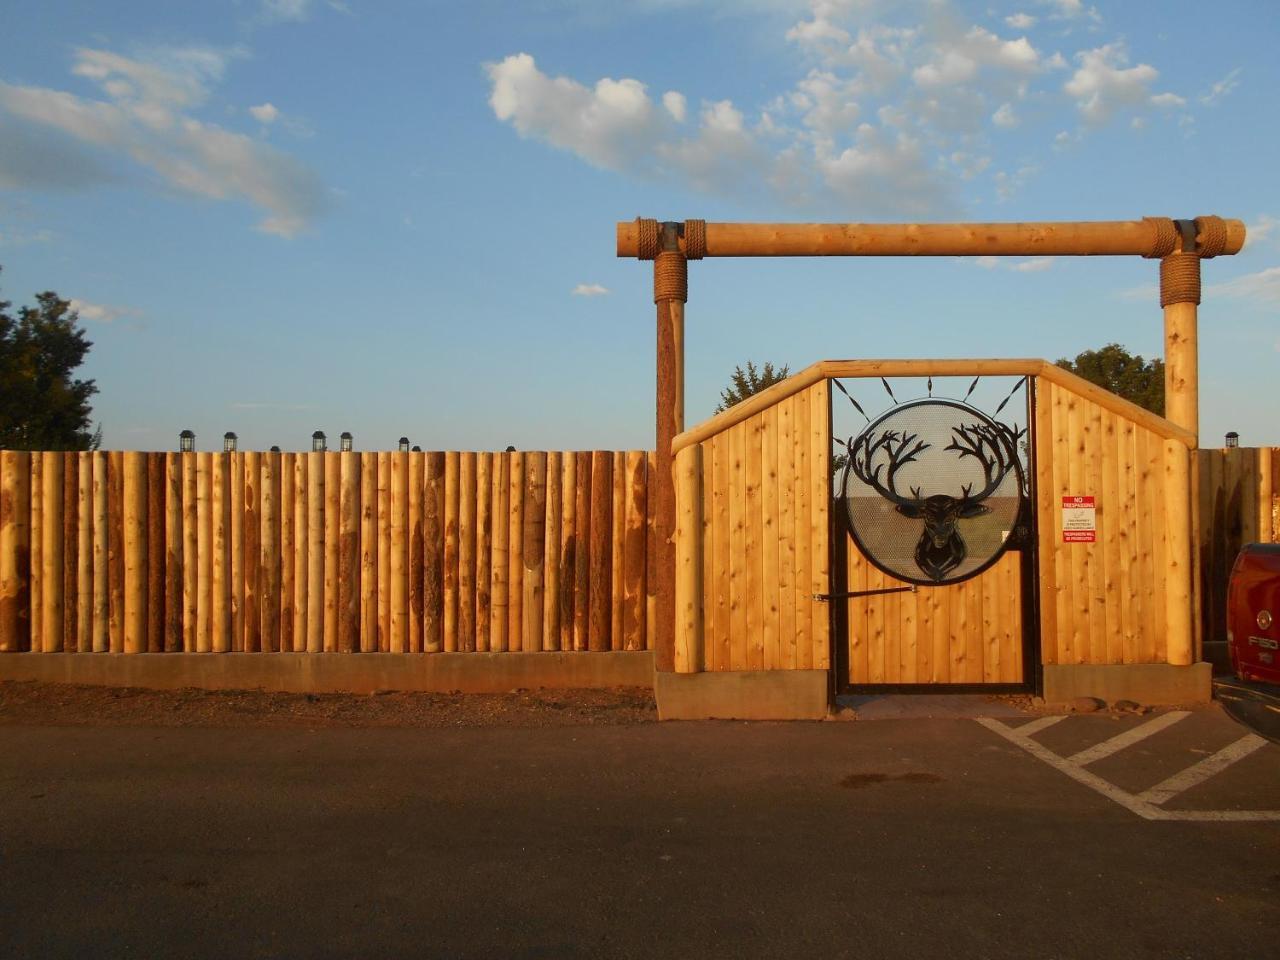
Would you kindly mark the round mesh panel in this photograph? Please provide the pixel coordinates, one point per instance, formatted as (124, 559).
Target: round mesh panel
(933, 491)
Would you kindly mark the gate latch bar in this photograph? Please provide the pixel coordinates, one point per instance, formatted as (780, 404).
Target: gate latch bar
(824, 597)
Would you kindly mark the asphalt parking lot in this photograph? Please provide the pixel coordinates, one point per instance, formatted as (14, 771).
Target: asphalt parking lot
(888, 838)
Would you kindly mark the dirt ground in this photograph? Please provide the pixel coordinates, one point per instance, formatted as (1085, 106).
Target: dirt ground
(54, 704)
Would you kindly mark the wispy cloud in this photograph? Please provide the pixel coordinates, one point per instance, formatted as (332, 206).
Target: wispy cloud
(101, 312)
(269, 405)
(1222, 88)
(589, 290)
(1031, 265)
(148, 119)
(23, 238)
(1262, 287)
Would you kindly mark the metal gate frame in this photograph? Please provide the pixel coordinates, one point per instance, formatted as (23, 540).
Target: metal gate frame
(1029, 582)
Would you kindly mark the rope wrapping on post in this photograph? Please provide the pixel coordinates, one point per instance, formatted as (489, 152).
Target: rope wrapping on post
(670, 277)
(1165, 237)
(649, 238)
(1180, 279)
(1211, 237)
(695, 239)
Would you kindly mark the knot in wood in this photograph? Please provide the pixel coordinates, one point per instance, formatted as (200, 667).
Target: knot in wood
(1180, 279)
(1164, 237)
(670, 277)
(648, 238)
(695, 239)
(1211, 236)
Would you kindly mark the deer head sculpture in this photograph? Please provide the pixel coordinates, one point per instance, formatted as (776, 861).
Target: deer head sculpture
(941, 548)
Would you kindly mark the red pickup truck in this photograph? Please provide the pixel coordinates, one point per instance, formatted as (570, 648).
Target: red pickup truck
(1253, 639)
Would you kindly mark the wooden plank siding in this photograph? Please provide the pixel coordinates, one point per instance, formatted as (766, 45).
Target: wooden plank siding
(764, 530)
(316, 552)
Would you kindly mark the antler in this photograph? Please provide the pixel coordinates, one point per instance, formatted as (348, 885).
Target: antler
(990, 447)
(902, 449)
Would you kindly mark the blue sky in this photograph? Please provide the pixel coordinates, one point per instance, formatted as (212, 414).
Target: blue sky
(397, 218)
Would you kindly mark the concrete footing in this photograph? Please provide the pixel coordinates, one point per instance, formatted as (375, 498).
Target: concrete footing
(746, 695)
(1147, 683)
(337, 672)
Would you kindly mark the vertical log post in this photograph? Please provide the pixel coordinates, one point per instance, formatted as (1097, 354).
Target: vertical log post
(368, 574)
(173, 605)
(190, 552)
(220, 493)
(601, 579)
(51, 554)
(484, 550)
(515, 553)
(252, 551)
(399, 566)
(633, 551)
(301, 550)
(1180, 246)
(551, 555)
(204, 552)
(661, 243)
(332, 521)
(467, 552)
(269, 555)
(688, 651)
(157, 488)
(433, 553)
(348, 573)
(534, 535)
(236, 561)
(500, 494)
(84, 551)
(287, 484)
(384, 552)
(115, 551)
(70, 543)
(568, 546)
(417, 482)
(317, 588)
(36, 558)
(101, 567)
(15, 550)
(135, 552)
(582, 551)
(450, 561)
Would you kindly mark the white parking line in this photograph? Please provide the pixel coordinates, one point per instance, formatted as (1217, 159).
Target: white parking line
(1127, 739)
(1035, 726)
(1203, 770)
(1143, 805)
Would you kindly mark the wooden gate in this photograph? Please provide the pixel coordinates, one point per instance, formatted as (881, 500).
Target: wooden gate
(890, 633)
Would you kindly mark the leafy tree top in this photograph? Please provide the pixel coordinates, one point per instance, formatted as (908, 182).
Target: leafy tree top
(745, 383)
(1130, 376)
(42, 405)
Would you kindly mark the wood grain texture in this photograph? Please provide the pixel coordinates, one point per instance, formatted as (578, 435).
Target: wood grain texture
(433, 520)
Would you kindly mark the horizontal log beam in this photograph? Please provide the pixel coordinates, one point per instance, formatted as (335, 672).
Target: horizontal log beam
(1082, 239)
(852, 369)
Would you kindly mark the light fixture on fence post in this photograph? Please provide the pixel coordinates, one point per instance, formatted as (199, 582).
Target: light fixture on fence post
(275, 449)
(416, 448)
(186, 441)
(1232, 439)
(318, 442)
(404, 444)
(229, 442)
(344, 442)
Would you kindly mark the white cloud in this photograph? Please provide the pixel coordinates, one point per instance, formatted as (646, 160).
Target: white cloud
(23, 238)
(1222, 88)
(101, 313)
(147, 119)
(887, 118)
(286, 10)
(266, 113)
(1260, 231)
(589, 290)
(676, 105)
(1103, 85)
(1262, 287)
(1032, 265)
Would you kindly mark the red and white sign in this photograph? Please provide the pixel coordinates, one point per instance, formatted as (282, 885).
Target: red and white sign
(1079, 520)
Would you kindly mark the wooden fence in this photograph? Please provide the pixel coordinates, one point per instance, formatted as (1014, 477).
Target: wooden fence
(130, 552)
(1239, 503)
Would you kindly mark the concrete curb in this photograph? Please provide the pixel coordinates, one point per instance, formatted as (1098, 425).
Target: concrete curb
(337, 672)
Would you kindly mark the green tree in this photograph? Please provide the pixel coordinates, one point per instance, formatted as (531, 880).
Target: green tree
(745, 383)
(42, 406)
(1114, 368)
